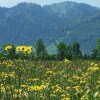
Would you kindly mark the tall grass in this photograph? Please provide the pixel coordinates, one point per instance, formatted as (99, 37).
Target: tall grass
(49, 80)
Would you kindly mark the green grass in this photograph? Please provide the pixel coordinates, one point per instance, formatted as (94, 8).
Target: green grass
(49, 80)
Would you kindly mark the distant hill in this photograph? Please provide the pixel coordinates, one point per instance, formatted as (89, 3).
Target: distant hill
(68, 21)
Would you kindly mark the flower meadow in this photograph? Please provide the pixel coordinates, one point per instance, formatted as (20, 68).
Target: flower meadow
(49, 80)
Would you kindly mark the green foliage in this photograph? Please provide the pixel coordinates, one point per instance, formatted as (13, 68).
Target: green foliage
(49, 80)
(40, 47)
(61, 47)
(9, 51)
(43, 55)
(22, 55)
(98, 45)
(85, 56)
(63, 51)
(94, 54)
(76, 50)
(2, 57)
(69, 52)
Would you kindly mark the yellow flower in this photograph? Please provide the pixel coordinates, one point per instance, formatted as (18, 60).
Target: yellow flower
(85, 97)
(35, 79)
(18, 90)
(77, 88)
(17, 93)
(63, 95)
(36, 88)
(93, 68)
(8, 48)
(4, 75)
(42, 86)
(52, 95)
(24, 49)
(56, 88)
(49, 72)
(2, 88)
(67, 88)
(66, 61)
(96, 94)
(92, 63)
(96, 65)
(23, 86)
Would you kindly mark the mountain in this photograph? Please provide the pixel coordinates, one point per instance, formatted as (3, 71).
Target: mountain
(71, 10)
(69, 21)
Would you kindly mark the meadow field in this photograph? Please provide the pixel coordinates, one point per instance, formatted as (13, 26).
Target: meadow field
(49, 80)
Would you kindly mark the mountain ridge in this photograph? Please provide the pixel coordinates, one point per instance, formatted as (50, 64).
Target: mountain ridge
(25, 23)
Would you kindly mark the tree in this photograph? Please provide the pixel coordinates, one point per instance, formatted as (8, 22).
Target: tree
(9, 51)
(94, 54)
(44, 55)
(76, 50)
(69, 52)
(61, 47)
(98, 45)
(40, 47)
(85, 56)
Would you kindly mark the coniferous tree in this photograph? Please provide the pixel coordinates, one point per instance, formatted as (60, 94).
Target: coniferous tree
(76, 50)
(61, 47)
(69, 52)
(94, 54)
(40, 47)
(98, 45)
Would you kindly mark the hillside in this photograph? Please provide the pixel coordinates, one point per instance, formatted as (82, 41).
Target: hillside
(68, 21)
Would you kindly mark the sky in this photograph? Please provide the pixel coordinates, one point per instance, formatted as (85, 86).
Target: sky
(11, 3)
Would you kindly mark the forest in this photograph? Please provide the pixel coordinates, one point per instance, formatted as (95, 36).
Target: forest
(70, 52)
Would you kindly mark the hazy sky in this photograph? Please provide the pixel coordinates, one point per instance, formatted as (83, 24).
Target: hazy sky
(10, 3)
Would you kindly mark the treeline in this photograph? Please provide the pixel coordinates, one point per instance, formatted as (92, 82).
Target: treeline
(63, 51)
